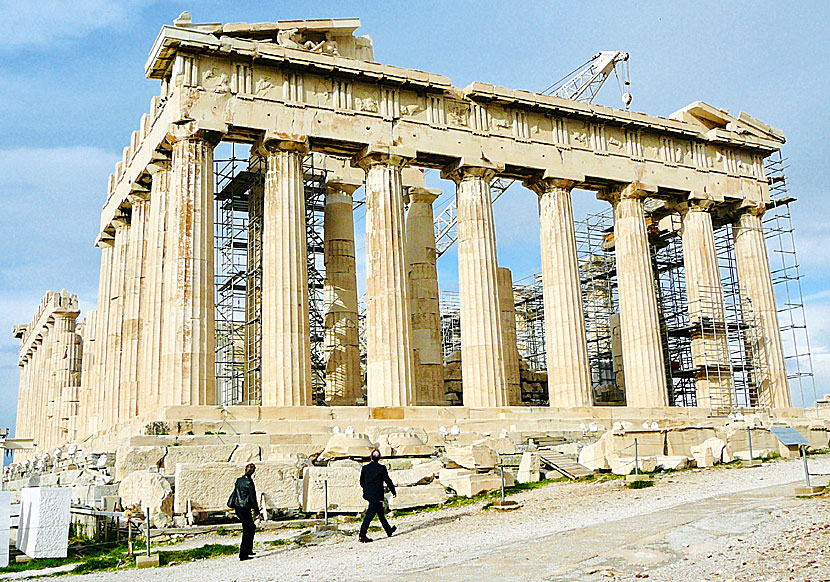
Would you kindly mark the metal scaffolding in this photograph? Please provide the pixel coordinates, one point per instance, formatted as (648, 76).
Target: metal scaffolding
(530, 322)
(239, 185)
(786, 279)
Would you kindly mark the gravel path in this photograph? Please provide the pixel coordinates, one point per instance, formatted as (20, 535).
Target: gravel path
(689, 526)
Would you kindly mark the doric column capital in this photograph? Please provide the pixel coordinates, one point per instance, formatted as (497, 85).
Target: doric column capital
(418, 194)
(209, 132)
(632, 191)
(543, 185)
(374, 155)
(138, 193)
(752, 209)
(121, 222)
(272, 143)
(161, 164)
(464, 170)
(342, 185)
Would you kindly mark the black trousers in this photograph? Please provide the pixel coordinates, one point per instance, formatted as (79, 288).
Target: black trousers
(246, 546)
(375, 508)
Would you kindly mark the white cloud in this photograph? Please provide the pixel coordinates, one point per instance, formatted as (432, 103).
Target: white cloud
(32, 24)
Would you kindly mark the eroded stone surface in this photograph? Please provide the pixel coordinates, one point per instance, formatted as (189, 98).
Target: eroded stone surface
(44, 522)
(141, 489)
(344, 491)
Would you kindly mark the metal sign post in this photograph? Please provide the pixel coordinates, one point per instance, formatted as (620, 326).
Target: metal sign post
(326, 501)
(636, 458)
(147, 519)
(501, 468)
(806, 468)
(749, 434)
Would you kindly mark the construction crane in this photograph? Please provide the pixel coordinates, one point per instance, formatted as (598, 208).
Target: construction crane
(581, 84)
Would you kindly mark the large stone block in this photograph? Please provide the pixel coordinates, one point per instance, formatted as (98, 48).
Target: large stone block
(625, 465)
(344, 492)
(419, 474)
(247, 453)
(142, 489)
(502, 445)
(208, 485)
(679, 441)
(418, 496)
(672, 462)
(129, 459)
(473, 457)
(43, 531)
(593, 456)
(195, 455)
(342, 446)
(5, 525)
(467, 483)
(529, 468)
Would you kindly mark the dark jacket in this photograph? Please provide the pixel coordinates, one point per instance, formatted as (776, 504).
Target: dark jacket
(372, 477)
(244, 495)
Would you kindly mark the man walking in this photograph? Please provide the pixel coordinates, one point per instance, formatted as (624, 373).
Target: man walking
(372, 477)
(244, 502)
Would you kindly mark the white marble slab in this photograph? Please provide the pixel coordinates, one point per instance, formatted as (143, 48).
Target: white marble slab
(43, 531)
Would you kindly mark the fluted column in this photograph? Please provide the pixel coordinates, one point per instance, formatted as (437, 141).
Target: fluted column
(113, 398)
(83, 423)
(132, 321)
(423, 284)
(482, 351)
(388, 316)
(152, 290)
(507, 308)
(645, 375)
(44, 388)
(94, 381)
(710, 349)
(756, 286)
(286, 338)
(188, 357)
(64, 350)
(569, 375)
(343, 378)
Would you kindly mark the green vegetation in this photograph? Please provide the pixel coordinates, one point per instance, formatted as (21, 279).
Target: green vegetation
(641, 484)
(278, 543)
(98, 559)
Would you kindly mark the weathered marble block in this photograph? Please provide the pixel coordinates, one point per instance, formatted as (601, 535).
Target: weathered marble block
(208, 485)
(418, 496)
(44, 522)
(345, 493)
(5, 523)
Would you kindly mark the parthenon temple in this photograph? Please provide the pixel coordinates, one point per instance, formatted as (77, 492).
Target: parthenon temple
(229, 289)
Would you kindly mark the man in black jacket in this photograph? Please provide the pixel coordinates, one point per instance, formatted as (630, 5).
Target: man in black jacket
(372, 477)
(244, 502)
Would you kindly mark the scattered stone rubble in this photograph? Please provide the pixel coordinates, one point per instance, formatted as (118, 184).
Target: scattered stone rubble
(185, 481)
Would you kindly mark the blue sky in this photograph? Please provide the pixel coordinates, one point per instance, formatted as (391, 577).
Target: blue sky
(73, 90)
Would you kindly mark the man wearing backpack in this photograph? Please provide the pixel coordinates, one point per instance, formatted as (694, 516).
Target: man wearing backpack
(243, 501)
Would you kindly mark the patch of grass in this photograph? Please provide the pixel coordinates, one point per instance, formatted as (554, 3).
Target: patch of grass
(641, 484)
(207, 551)
(278, 543)
(88, 559)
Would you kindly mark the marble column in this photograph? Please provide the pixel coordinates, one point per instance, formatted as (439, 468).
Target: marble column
(343, 378)
(132, 320)
(64, 349)
(286, 338)
(645, 374)
(152, 291)
(710, 348)
(569, 374)
(83, 423)
(388, 317)
(424, 300)
(95, 403)
(507, 308)
(44, 388)
(482, 351)
(113, 399)
(188, 357)
(755, 280)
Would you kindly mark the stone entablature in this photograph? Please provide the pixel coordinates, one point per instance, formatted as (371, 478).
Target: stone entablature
(343, 105)
(53, 303)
